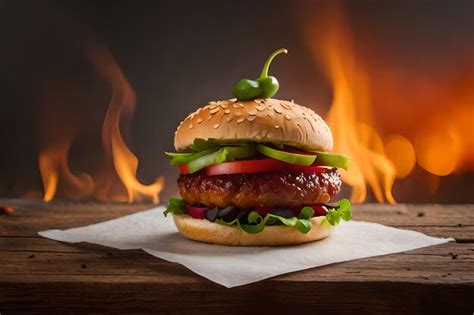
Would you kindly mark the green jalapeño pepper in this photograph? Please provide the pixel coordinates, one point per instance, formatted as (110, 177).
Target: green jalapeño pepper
(263, 87)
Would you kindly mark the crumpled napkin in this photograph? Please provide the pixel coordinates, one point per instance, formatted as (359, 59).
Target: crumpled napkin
(233, 266)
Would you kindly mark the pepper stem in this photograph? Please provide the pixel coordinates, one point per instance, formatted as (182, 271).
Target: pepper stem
(264, 73)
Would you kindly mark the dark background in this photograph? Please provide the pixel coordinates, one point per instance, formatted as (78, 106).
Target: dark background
(178, 55)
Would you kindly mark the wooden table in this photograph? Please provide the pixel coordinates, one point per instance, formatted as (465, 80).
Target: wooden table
(41, 275)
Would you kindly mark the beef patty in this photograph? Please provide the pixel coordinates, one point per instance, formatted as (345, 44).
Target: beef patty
(248, 191)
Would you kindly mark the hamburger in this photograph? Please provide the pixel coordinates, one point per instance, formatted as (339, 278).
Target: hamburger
(256, 172)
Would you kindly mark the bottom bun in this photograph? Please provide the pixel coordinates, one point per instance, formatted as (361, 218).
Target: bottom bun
(209, 232)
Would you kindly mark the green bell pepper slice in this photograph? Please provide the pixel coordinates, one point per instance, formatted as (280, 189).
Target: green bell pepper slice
(206, 160)
(292, 158)
(224, 154)
(331, 159)
(182, 158)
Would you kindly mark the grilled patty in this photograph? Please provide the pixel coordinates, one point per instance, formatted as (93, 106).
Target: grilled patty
(248, 191)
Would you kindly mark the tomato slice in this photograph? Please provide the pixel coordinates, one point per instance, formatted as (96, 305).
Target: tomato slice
(259, 166)
(184, 169)
(244, 166)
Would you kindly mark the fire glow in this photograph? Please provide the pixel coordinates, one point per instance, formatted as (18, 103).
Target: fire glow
(413, 126)
(120, 163)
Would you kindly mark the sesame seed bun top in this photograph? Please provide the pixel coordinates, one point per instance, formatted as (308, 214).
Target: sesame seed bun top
(260, 120)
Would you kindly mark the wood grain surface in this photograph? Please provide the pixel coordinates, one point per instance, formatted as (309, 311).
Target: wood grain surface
(38, 275)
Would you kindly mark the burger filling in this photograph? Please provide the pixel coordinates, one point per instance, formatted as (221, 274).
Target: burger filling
(250, 186)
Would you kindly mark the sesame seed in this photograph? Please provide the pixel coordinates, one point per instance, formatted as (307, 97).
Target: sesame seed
(215, 110)
(199, 120)
(278, 111)
(229, 118)
(240, 120)
(227, 111)
(285, 105)
(288, 117)
(252, 113)
(216, 125)
(251, 118)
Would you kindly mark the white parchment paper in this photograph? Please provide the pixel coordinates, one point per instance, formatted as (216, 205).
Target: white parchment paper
(234, 266)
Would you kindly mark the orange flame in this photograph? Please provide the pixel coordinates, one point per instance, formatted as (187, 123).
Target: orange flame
(121, 104)
(350, 117)
(434, 112)
(53, 165)
(119, 160)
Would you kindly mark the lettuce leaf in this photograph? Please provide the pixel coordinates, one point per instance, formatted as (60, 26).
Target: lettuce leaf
(175, 206)
(339, 210)
(201, 145)
(302, 222)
